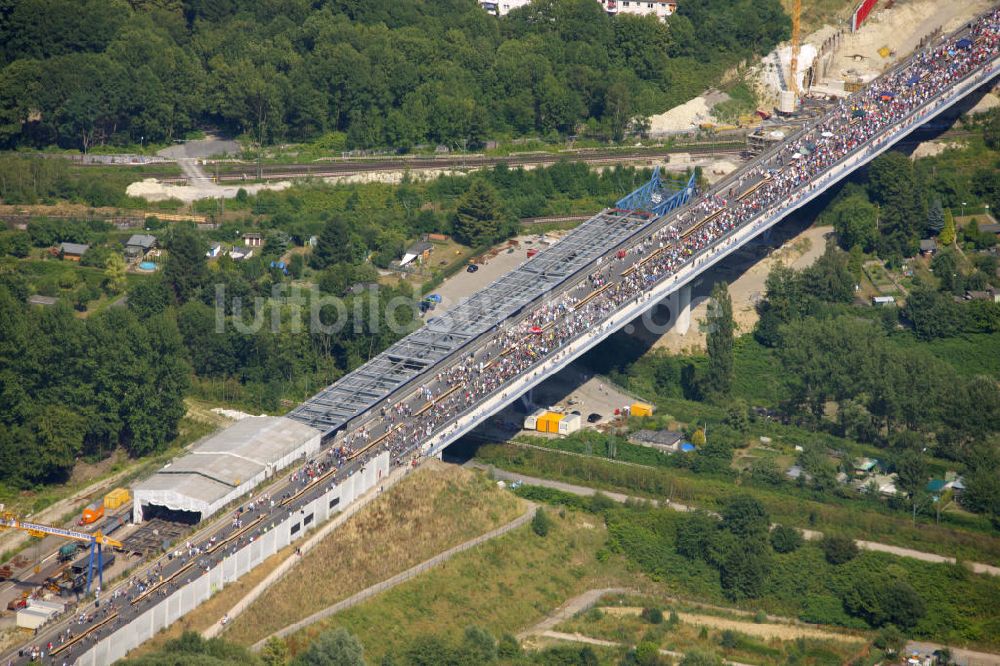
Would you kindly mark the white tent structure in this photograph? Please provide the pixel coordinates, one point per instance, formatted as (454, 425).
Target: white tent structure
(226, 466)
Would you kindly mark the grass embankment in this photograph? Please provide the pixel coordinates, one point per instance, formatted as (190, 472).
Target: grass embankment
(709, 493)
(505, 585)
(83, 487)
(768, 644)
(437, 507)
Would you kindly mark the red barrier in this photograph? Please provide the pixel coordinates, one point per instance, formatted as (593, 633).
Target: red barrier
(861, 13)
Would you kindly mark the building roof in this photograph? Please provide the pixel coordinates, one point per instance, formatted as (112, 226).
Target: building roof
(229, 462)
(865, 464)
(73, 248)
(660, 437)
(419, 247)
(936, 485)
(145, 241)
(928, 245)
(38, 299)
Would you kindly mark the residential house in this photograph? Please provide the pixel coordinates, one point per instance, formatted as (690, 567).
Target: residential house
(418, 252)
(886, 484)
(238, 254)
(253, 240)
(661, 9)
(214, 251)
(73, 251)
(936, 486)
(138, 245)
(865, 465)
(928, 246)
(38, 299)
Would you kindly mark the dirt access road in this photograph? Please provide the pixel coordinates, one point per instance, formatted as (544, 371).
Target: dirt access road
(765, 630)
(585, 491)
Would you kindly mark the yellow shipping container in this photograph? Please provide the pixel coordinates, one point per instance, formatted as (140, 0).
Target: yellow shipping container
(549, 422)
(641, 409)
(116, 498)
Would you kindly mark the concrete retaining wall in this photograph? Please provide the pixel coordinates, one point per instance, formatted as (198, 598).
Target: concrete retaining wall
(196, 590)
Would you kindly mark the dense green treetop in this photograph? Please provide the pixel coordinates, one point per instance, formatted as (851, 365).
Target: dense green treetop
(383, 72)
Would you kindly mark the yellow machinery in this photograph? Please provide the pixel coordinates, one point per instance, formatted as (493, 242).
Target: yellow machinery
(96, 540)
(641, 409)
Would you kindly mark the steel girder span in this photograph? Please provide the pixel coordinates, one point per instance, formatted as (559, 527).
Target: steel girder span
(359, 391)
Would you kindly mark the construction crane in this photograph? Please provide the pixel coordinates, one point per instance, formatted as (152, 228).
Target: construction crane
(793, 82)
(96, 540)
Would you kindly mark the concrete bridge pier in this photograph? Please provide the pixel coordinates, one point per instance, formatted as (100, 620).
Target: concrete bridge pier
(680, 306)
(528, 400)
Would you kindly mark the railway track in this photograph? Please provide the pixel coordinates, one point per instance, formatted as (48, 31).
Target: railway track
(246, 171)
(151, 535)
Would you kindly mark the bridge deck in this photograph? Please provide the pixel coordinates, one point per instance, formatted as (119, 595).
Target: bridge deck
(360, 390)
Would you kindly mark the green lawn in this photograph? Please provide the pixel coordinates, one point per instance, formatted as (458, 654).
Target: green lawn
(504, 586)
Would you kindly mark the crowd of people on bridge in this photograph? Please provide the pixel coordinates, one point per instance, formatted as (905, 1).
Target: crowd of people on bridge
(865, 120)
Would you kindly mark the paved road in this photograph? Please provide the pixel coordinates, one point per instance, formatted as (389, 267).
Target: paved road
(959, 656)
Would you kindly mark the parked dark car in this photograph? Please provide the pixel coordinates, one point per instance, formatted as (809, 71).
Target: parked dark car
(594, 417)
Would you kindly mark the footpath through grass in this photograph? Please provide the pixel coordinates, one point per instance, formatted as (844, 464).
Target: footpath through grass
(742, 640)
(505, 585)
(435, 508)
(709, 493)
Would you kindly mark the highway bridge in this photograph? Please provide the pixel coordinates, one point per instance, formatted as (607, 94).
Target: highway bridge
(378, 399)
(437, 384)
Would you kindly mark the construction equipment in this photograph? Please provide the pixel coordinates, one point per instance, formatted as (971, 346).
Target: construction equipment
(793, 82)
(92, 513)
(97, 541)
(119, 496)
(67, 552)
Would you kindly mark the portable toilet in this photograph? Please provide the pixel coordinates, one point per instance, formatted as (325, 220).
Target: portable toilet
(531, 420)
(569, 424)
(549, 422)
(116, 498)
(641, 409)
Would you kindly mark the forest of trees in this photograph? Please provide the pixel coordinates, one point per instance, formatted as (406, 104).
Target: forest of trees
(72, 388)
(77, 73)
(899, 201)
(358, 229)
